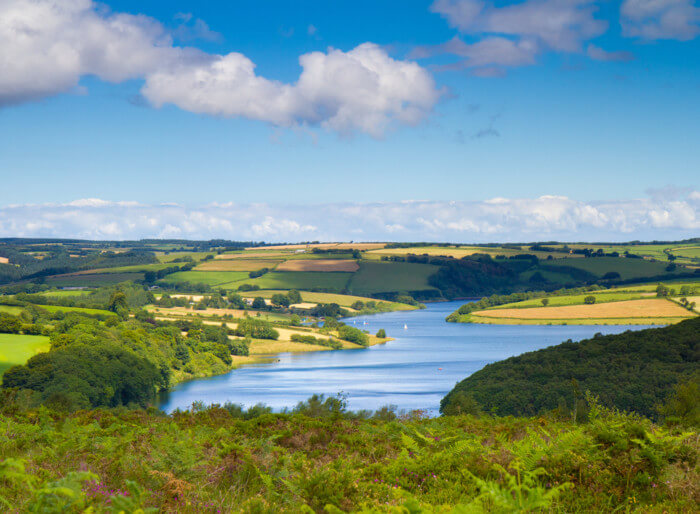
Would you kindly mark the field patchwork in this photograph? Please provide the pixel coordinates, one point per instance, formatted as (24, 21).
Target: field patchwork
(319, 265)
(237, 265)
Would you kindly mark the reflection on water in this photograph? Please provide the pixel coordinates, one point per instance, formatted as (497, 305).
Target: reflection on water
(426, 359)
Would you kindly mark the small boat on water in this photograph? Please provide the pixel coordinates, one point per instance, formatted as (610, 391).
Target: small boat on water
(405, 327)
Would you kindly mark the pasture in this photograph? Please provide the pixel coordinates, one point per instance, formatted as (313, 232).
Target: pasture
(307, 280)
(555, 301)
(627, 268)
(92, 280)
(4, 260)
(379, 277)
(17, 349)
(348, 266)
(11, 309)
(210, 278)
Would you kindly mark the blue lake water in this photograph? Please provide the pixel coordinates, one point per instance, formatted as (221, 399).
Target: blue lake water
(414, 371)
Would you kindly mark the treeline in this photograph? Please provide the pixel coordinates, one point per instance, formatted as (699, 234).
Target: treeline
(633, 371)
(92, 364)
(502, 299)
(57, 259)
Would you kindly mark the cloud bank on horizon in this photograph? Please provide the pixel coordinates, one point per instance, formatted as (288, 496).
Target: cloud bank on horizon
(665, 216)
(48, 46)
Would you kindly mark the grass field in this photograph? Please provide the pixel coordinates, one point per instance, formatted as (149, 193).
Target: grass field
(334, 281)
(237, 265)
(319, 265)
(211, 278)
(378, 277)
(170, 257)
(552, 276)
(17, 349)
(11, 309)
(65, 294)
(627, 268)
(92, 280)
(554, 301)
(56, 308)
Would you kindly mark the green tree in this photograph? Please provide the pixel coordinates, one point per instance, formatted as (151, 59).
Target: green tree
(589, 300)
(294, 296)
(545, 302)
(381, 333)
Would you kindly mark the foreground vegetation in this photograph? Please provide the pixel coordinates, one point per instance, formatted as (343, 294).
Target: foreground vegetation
(319, 458)
(633, 371)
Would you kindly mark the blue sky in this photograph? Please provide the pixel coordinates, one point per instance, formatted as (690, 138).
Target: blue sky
(602, 108)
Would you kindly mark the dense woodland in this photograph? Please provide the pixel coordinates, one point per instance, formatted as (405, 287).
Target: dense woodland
(633, 371)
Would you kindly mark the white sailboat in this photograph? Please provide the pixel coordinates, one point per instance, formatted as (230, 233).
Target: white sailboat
(405, 327)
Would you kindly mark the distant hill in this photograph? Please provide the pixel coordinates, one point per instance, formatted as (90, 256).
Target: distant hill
(632, 371)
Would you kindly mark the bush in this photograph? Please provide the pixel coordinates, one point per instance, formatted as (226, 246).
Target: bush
(381, 333)
(589, 300)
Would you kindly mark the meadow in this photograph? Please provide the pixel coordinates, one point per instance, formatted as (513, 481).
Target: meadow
(377, 277)
(237, 264)
(210, 278)
(331, 281)
(627, 268)
(17, 349)
(344, 300)
(92, 280)
(462, 251)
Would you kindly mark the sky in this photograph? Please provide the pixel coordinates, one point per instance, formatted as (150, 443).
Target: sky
(444, 120)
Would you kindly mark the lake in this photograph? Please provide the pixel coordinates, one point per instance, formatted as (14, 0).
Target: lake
(414, 371)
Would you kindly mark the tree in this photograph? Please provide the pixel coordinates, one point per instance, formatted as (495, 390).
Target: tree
(259, 303)
(118, 304)
(295, 320)
(294, 296)
(280, 300)
(662, 290)
(589, 300)
(545, 302)
(381, 333)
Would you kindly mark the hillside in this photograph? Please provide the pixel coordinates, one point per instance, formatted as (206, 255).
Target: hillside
(322, 459)
(632, 371)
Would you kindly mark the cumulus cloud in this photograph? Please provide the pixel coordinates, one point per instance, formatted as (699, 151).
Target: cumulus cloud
(498, 219)
(49, 45)
(660, 19)
(361, 89)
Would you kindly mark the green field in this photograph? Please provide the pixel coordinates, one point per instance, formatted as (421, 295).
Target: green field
(554, 301)
(380, 277)
(627, 268)
(210, 278)
(552, 276)
(83, 310)
(169, 257)
(92, 280)
(335, 281)
(66, 294)
(17, 349)
(10, 309)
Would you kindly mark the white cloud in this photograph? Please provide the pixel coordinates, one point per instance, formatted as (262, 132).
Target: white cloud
(598, 54)
(515, 34)
(560, 24)
(660, 19)
(49, 45)
(498, 219)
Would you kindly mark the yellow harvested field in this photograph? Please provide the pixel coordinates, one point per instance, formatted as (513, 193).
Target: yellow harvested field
(237, 265)
(251, 255)
(274, 347)
(319, 265)
(4, 260)
(192, 297)
(652, 308)
(303, 305)
(326, 246)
